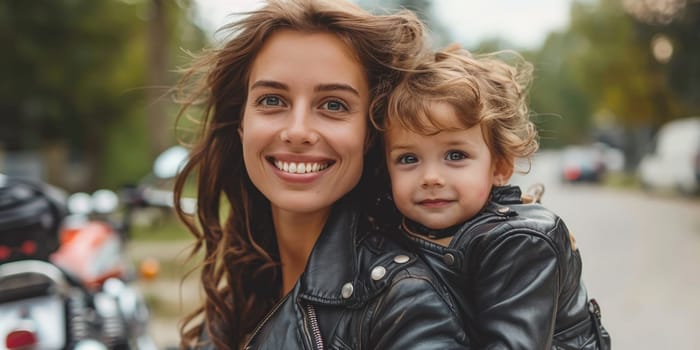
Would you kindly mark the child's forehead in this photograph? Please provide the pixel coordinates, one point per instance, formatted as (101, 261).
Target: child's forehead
(443, 114)
(434, 117)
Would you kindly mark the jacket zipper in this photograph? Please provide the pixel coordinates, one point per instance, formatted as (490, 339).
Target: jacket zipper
(317, 341)
(262, 323)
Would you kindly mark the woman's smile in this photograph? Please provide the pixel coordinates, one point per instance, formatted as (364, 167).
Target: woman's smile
(300, 167)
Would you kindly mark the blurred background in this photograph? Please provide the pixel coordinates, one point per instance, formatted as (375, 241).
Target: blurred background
(84, 105)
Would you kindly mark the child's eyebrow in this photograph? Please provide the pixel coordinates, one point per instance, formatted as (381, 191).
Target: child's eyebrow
(398, 146)
(459, 142)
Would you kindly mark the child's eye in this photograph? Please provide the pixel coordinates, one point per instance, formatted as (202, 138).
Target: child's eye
(334, 106)
(407, 159)
(455, 155)
(270, 101)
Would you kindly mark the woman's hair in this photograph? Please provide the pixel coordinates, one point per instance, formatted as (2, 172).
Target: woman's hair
(240, 273)
(486, 89)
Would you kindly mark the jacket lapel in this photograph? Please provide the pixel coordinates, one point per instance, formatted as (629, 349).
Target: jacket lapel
(333, 261)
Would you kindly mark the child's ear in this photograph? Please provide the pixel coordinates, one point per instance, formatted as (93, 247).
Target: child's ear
(502, 171)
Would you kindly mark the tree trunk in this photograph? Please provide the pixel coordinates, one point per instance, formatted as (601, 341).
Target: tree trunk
(158, 122)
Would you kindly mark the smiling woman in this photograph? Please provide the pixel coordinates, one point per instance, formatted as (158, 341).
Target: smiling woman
(286, 142)
(311, 119)
(296, 120)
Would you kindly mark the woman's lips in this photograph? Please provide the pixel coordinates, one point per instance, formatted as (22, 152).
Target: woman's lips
(299, 170)
(300, 167)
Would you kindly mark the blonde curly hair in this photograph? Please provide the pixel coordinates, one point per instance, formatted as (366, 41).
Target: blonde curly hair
(489, 89)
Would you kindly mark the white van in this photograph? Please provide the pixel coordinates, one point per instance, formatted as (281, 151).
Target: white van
(674, 163)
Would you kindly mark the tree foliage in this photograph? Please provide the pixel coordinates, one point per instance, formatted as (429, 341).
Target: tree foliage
(75, 75)
(601, 72)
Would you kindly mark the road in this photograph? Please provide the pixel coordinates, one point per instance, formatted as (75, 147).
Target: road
(641, 257)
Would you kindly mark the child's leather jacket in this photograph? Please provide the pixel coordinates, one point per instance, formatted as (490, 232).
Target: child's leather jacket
(519, 264)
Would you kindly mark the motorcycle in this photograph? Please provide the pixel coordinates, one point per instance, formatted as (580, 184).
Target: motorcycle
(65, 282)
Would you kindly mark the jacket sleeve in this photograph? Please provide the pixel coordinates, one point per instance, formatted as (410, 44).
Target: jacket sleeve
(515, 291)
(413, 314)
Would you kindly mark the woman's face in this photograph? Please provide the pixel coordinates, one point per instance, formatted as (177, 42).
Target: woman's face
(305, 121)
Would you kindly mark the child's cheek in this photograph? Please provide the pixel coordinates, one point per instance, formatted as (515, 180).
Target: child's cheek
(484, 195)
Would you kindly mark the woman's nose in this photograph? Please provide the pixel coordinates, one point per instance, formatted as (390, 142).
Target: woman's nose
(300, 128)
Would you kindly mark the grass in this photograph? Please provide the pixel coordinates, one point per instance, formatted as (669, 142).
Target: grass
(158, 225)
(622, 180)
(168, 295)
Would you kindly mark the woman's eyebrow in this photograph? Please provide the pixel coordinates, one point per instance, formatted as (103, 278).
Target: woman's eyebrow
(319, 88)
(269, 84)
(335, 87)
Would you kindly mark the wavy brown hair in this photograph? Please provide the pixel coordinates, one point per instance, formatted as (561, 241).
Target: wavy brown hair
(490, 89)
(240, 273)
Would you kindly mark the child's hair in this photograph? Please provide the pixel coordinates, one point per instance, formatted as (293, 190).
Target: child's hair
(484, 89)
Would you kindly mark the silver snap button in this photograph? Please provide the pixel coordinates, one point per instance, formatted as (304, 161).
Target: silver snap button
(400, 259)
(448, 259)
(378, 272)
(347, 290)
(503, 210)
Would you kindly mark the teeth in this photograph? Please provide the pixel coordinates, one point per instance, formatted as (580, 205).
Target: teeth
(300, 168)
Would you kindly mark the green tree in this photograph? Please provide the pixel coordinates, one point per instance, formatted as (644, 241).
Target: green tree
(618, 70)
(560, 106)
(681, 70)
(74, 75)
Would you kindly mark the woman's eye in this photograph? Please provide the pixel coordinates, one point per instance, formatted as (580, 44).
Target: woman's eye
(334, 106)
(270, 101)
(455, 155)
(407, 159)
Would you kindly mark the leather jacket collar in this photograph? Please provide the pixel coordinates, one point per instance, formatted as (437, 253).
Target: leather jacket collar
(333, 261)
(507, 194)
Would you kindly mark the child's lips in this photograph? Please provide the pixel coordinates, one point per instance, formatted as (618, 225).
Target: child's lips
(434, 203)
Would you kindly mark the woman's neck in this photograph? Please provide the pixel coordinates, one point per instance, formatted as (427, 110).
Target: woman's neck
(296, 236)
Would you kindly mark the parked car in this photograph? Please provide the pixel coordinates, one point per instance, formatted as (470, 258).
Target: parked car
(673, 163)
(582, 164)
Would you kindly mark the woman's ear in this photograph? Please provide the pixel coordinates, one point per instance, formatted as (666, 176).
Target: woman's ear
(240, 132)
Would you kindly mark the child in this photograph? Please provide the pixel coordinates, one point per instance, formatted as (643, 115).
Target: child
(453, 131)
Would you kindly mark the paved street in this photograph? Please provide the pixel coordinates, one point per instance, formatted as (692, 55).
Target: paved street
(641, 256)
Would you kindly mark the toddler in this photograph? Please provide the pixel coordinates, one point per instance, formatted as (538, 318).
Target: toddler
(453, 131)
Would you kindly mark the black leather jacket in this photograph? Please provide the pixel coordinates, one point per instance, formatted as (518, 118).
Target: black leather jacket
(361, 291)
(516, 275)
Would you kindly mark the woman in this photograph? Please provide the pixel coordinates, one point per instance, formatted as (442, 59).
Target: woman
(286, 141)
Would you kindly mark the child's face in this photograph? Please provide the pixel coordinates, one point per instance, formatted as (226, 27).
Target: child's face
(443, 179)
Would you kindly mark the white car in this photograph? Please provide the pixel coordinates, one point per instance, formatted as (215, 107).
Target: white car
(674, 163)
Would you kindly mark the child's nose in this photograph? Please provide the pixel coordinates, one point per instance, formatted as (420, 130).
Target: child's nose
(432, 178)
